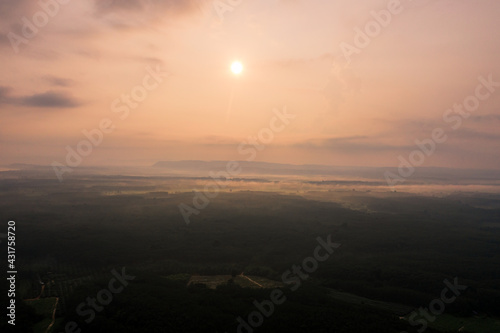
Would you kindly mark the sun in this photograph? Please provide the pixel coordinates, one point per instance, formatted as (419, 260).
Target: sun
(236, 67)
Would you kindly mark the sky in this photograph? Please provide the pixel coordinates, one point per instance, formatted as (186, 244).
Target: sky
(362, 81)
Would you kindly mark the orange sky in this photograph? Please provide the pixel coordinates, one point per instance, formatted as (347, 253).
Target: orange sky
(66, 77)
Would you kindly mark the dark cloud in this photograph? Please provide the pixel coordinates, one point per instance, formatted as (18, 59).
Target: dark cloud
(49, 99)
(130, 14)
(470, 134)
(4, 40)
(486, 118)
(104, 6)
(58, 81)
(18, 8)
(467, 131)
(5, 97)
(147, 6)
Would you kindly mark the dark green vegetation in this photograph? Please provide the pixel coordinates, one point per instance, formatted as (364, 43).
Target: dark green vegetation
(396, 248)
(44, 307)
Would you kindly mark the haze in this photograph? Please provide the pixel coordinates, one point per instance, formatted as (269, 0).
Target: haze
(365, 113)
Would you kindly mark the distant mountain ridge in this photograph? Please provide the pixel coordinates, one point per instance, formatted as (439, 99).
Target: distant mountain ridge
(266, 168)
(199, 168)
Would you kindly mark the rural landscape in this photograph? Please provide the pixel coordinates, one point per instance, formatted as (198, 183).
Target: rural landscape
(250, 166)
(395, 252)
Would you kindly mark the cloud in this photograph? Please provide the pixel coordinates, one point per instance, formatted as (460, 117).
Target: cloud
(152, 61)
(351, 144)
(5, 94)
(4, 40)
(146, 5)
(470, 134)
(9, 8)
(128, 13)
(217, 140)
(58, 81)
(112, 5)
(49, 99)
(472, 128)
(486, 118)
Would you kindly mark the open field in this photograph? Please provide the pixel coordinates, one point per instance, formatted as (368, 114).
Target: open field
(397, 309)
(243, 281)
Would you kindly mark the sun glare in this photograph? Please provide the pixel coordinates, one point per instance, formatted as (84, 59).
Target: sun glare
(236, 67)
